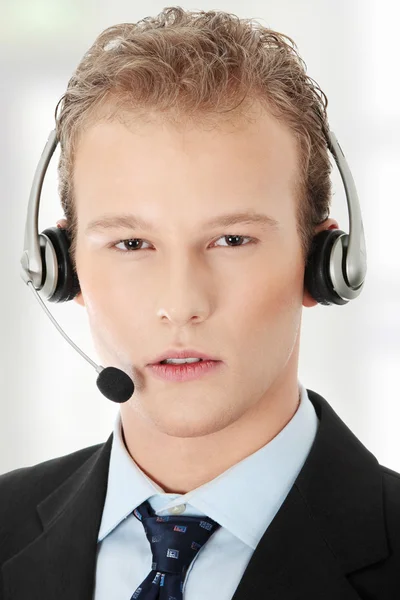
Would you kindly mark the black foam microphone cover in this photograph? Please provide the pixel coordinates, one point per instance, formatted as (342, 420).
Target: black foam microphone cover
(115, 384)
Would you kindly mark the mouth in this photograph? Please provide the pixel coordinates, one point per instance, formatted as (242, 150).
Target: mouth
(177, 364)
(187, 371)
(186, 355)
(165, 362)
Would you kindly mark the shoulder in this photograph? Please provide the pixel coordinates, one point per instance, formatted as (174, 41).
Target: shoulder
(391, 516)
(389, 473)
(391, 483)
(391, 494)
(21, 490)
(25, 487)
(382, 577)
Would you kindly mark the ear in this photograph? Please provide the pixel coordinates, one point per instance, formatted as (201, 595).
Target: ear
(308, 300)
(79, 299)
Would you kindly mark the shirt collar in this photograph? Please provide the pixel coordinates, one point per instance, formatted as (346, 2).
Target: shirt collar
(245, 510)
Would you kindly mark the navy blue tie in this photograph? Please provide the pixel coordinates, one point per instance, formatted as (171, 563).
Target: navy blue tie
(175, 541)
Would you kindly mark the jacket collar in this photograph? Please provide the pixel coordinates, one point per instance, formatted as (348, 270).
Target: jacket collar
(330, 524)
(279, 461)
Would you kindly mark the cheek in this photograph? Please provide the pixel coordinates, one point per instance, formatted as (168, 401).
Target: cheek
(103, 298)
(267, 292)
(266, 314)
(116, 314)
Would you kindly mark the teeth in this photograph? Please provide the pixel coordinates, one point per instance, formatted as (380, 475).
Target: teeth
(179, 361)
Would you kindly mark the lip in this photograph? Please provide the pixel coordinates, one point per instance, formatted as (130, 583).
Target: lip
(184, 372)
(187, 353)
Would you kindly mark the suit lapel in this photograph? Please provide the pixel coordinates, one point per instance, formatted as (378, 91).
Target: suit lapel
(60, 563)
(330, 524)
(293, 561)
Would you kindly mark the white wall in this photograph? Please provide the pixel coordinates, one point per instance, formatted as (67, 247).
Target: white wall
(49, 395)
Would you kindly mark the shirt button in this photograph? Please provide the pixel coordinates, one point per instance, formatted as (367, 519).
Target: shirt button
(177, 510)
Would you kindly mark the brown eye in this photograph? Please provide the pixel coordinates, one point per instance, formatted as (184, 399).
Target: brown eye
(130, 245)
(234, 240)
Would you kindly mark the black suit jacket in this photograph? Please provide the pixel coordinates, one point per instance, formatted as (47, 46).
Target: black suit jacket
(335, 537)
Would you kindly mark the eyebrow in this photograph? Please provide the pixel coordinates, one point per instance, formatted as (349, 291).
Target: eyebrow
(130, 221)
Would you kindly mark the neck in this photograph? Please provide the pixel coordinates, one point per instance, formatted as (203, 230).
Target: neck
(181, 464)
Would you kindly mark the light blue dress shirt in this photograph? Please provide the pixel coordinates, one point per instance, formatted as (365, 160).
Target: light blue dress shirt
(243, 500)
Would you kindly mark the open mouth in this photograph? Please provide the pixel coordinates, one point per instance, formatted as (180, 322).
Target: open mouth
(182, 362)
(185, 371)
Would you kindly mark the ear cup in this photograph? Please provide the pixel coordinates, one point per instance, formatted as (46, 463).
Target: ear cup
(317, 278)
(67, 282)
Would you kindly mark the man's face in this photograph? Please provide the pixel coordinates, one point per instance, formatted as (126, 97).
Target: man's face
(187, 284)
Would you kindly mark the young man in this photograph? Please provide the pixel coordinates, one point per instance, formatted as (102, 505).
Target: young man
(168, 128)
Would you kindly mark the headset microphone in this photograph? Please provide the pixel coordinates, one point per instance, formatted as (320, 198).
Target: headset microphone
(113, 383)
(334, 274)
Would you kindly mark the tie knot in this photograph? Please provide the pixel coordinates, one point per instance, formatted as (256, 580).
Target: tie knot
(174, 540)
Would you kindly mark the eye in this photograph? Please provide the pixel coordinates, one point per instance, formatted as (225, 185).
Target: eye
(235, 239)
(129, 248)
(135, 244)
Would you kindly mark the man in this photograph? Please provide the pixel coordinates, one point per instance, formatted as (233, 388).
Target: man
(165, 130)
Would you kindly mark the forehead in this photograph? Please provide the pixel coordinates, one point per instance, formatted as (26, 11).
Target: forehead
(128, 158)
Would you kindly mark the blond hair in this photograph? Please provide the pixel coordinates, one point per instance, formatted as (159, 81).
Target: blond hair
(200, 65)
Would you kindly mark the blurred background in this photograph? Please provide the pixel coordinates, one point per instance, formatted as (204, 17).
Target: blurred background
(49, 403)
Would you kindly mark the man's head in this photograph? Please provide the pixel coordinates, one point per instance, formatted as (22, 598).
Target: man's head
(208, 67)
(178, 125)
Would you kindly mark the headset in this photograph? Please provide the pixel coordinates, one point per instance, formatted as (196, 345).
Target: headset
(334, 273)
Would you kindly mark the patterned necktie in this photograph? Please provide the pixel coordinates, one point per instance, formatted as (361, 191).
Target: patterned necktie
(175, 541)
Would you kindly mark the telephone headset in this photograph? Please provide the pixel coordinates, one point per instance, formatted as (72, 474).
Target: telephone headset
(334, 273)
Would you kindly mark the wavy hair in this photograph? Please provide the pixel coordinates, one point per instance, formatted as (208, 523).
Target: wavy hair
(205, 66)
